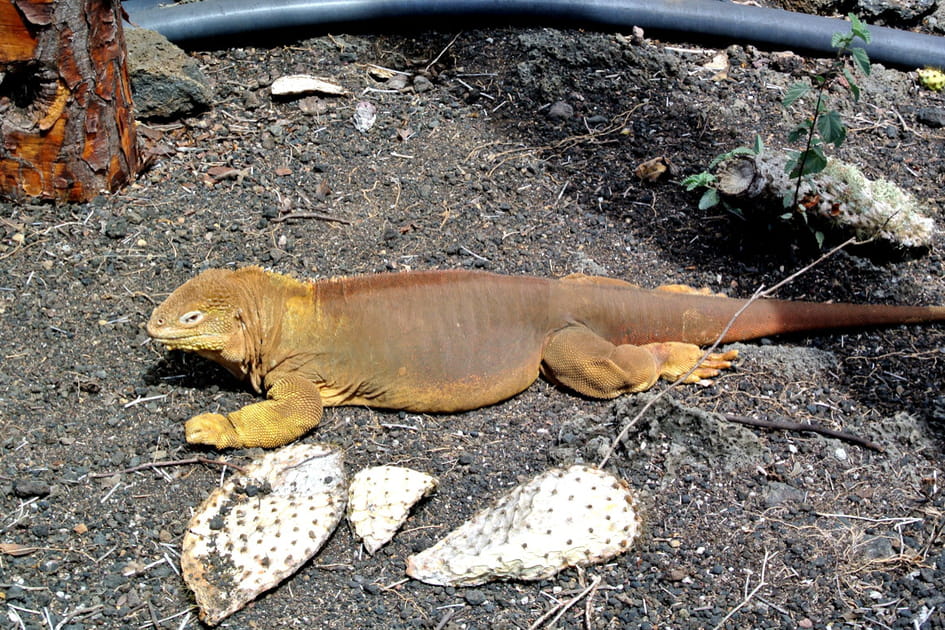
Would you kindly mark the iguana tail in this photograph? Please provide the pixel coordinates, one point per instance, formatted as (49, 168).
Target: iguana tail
(702, 319)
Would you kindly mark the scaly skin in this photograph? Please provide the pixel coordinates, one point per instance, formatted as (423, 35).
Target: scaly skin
(454, 340)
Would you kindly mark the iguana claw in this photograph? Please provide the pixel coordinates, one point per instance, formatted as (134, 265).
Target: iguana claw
(211, 428)
(712, 366)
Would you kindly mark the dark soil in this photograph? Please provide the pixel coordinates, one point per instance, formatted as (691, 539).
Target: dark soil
(467, 167)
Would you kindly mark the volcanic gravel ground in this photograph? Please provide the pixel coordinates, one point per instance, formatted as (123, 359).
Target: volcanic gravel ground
(513, 151)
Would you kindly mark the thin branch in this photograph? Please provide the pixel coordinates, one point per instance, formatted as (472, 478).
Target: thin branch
(309, 215)
(563, 607)
(760, 293)
(787, 425)
(442, 52)
(754, 591)
(171, 462)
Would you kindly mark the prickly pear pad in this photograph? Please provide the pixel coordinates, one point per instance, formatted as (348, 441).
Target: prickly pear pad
(261, 526)
(561, 518)
(379, 500)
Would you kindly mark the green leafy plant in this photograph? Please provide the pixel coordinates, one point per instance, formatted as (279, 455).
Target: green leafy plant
(822, 127)
(825, 125)
(707, 179)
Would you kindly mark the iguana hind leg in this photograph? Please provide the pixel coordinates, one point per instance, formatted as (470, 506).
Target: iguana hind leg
(582, 360)
(294, 407)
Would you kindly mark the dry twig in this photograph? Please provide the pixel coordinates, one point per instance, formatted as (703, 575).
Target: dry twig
(758, 294)
(309, 215)
(787, 425)
(171, 462)
(563, 607)
(761, 583)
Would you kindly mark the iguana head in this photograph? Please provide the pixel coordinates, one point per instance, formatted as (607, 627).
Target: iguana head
(204, 315)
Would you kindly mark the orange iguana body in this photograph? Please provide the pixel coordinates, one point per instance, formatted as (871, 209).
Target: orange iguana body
(445, 341)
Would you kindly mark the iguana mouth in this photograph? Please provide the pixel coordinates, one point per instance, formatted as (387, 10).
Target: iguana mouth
(185, 341)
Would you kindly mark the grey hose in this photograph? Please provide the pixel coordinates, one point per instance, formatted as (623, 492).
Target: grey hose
(783, 29)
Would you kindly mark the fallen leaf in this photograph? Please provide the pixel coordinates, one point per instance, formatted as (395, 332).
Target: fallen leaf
(14, 549)
(381, 73)
(720, 65)
(653, 169)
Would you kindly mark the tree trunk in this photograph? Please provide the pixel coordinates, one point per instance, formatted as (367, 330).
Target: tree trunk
(67, 128)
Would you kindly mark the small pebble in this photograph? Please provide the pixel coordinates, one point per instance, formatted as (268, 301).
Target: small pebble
(475, 598)
(28, 488)
(561, 111)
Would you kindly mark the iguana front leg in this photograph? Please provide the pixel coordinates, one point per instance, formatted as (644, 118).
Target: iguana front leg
(293, 408)
(582, 360)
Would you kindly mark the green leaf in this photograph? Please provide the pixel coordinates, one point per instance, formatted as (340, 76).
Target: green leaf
(859, 29)
(841, 40)
(791, 163)
(799, 132)
(758, 146)
(809, 162)
(699, 180)
(862, 59)
(831, 128)
(729, 154)
(854, 88)
(736, 211)
(795, 92)
(709, 198)
(788, 201)
(820, 239)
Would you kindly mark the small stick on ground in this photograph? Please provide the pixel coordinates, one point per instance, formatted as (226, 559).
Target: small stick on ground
(587, 606)
(563, 607)
(787, 425)
(171, 462)
(754, 591)
(757, 295)
(442, 52)
(309, 215)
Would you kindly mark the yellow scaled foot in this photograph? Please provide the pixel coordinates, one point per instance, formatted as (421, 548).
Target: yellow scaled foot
(212, 429)
(712, 365)
(675, 359)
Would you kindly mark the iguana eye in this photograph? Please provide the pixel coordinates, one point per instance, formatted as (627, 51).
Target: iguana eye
(191, 318)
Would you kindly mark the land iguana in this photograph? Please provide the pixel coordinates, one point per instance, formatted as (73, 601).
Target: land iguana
(444, 341)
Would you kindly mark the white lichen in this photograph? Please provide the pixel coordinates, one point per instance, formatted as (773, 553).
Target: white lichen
(847, 199)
